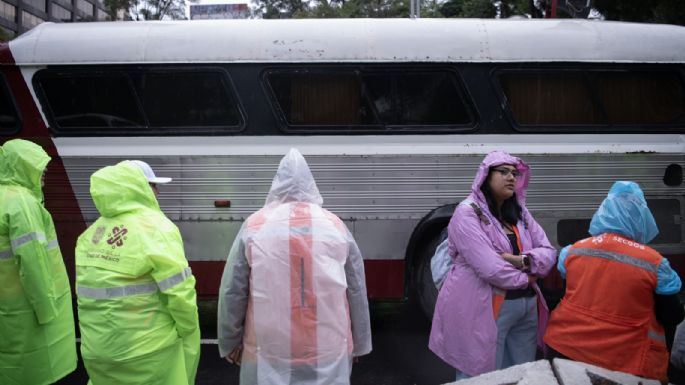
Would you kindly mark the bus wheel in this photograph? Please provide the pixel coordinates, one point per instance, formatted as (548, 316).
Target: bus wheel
(426, 291)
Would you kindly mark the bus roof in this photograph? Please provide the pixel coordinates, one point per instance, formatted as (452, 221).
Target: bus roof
(349, 40)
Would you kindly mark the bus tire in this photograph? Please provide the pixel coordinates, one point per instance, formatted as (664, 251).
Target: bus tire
(426, 292)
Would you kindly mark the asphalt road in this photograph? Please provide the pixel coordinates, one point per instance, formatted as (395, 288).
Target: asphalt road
(400, 354)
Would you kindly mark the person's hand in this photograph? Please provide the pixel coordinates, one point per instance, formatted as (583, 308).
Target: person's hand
(235, 356)
(355, 359)
(515, 260)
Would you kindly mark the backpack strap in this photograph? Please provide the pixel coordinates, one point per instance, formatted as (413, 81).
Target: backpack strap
(479, 212)
(525, 222)
(485, 219)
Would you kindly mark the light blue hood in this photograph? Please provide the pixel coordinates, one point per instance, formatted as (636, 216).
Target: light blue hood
(625, 211)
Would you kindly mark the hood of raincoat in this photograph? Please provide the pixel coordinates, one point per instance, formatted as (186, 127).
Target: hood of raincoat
(120, 189)
(23, 164)
(494, 159)
(293, 182)
(625, 211)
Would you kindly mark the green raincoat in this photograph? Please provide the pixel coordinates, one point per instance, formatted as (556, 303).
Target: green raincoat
(37, 342)
(136, 295)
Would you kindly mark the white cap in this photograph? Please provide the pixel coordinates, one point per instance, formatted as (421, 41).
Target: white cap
(149, 174)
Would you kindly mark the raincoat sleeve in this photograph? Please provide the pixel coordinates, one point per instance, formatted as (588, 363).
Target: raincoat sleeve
(176, 282)
(668, 281)
(233, 295)
(667, 307)
(29, 245)
(561, 263)
(470, 241)
(542, 255)
(357, 299)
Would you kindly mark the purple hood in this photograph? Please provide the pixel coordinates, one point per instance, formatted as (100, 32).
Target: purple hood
(494, 159)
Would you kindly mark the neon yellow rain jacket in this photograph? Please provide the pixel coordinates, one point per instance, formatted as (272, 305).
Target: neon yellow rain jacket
(136, 294)
(37, 342)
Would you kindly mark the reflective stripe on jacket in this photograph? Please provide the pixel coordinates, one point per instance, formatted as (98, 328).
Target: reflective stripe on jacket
(607, 316)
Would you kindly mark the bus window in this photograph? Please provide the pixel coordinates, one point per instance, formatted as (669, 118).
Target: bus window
(563, 98)
(9, 118)
(88, 101)
(186, 99)
(321, 99)
(420, 99)
(375, 100)
(641, 97)
(139, 101)
(570, 231)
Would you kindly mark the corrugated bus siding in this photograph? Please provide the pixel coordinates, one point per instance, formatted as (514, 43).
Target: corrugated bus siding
(381, 198)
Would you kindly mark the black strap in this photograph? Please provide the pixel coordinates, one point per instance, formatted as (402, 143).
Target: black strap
(485, 219)
(480, 214)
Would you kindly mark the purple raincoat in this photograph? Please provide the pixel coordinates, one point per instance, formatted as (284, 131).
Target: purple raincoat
(464, 331)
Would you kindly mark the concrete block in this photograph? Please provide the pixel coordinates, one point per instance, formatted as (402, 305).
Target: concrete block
(530, 373)
(578, 373)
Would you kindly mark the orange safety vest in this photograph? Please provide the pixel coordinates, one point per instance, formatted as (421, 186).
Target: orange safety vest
(500, 295)
(607, 317)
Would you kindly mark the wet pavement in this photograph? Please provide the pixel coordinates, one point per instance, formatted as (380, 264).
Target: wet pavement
(400, 353)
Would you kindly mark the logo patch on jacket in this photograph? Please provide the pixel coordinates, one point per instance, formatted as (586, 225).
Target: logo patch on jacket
(117, 236)
(99, 233)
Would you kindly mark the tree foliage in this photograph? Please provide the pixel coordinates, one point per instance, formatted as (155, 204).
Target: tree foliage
(491, 8)
(469, 8)
(148, 9)
(393, 8)
(659, 11)
(651, 11)
(269, 9)
(4, 35)
(274, 9)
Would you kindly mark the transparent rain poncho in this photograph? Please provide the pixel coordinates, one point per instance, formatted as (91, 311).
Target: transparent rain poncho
(293, 291)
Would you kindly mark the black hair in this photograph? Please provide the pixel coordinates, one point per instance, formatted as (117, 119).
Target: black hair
(511, 210)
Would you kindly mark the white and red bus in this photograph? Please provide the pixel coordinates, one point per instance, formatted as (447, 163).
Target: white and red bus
(393, 115)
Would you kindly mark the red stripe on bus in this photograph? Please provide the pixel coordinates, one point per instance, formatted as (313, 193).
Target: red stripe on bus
(5, 54)
(384, 278)
(60, 199)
